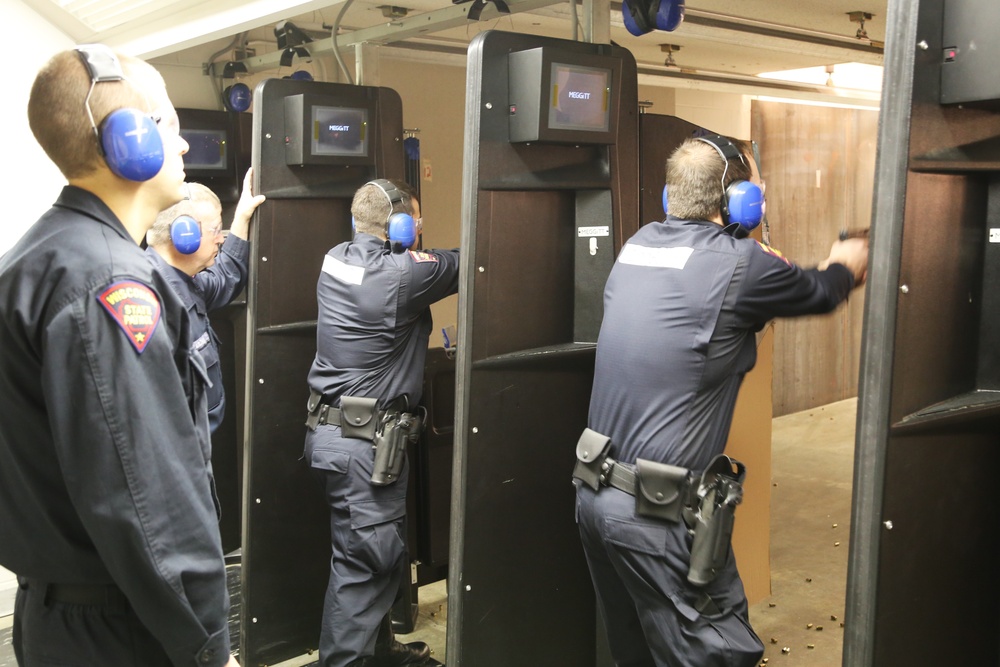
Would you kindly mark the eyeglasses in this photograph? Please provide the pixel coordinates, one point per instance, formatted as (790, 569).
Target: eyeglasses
(213, 232)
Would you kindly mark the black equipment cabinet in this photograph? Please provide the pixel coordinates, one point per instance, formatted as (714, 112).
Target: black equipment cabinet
(285, 540)
(923, 588)
(542, 224)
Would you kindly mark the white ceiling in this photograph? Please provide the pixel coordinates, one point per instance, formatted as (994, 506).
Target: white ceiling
(717, 37)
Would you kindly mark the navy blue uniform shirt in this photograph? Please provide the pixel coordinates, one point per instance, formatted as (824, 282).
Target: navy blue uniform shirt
(104, 442)
(208, 290)
(681, 307)
(375, 320)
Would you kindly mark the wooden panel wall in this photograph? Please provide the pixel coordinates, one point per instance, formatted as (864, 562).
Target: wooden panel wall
(818, 164)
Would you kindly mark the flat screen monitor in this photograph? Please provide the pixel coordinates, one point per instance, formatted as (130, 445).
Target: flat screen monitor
(579, 99)
(339, 131)
(207, 149)
(323, 129)
(563, 96)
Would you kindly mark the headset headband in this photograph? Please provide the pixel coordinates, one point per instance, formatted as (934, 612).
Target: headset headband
(101, 62)
(392, 193)
(723, 147)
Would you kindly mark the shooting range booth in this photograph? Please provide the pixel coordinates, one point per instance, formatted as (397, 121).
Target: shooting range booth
(219, 148)
(314, 145)
(550, 192)
(923, 587)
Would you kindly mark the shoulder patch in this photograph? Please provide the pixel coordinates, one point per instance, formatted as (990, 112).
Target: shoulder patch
(135, 308)
(771, 251)
(420, 256)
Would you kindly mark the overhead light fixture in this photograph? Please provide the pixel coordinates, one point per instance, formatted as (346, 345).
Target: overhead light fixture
(854, 76)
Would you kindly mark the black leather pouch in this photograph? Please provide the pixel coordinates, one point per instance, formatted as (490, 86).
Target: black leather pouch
(662, 490)
(591, 450)
(358, 417)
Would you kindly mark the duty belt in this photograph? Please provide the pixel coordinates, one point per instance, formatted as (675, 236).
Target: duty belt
(618, 475)
(360, 417)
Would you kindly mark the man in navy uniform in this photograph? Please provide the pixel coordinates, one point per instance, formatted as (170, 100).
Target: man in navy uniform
(374, 296)
(682, 305)
(184, 244)
(107, 509)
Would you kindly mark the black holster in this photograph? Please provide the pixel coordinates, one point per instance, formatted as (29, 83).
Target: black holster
(719, 492)
(396, 431)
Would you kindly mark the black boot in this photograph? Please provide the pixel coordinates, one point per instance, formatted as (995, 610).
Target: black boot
(391, 653)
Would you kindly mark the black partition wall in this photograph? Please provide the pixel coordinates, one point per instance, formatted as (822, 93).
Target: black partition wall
(550, 193)
(923, 587)
(314, 144)
(218, 156)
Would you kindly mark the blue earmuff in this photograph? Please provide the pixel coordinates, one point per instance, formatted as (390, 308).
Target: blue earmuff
(237, 97)
(185, 233)
(666, 210)
(642, 16)
(742, 201)
(400, 227)
(128, 138)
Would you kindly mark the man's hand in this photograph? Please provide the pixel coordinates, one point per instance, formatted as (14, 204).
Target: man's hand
(852, 253)
(245, 207)
(232, 662)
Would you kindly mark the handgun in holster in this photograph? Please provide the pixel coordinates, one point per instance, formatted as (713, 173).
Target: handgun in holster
(396, 430)
(719, 492)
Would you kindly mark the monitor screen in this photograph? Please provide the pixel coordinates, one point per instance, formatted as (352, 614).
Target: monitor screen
(579, 99)
(339, 131)
(206, 149)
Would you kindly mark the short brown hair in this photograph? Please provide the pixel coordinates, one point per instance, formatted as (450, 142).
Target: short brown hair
(57, 113)
(697, 177)
(159, 233)
(371, 209)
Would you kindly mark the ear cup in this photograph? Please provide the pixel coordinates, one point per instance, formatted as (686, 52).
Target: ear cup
(669, 14)
(666, 209)
(132, 145)
(635, 16)
(402, 229)
(237, 97)
(745, 203)
(185, 233)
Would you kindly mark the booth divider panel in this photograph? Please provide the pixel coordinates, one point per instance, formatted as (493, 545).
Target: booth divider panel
(286, 535)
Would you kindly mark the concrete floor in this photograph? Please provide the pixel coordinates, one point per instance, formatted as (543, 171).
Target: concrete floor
(812, 468)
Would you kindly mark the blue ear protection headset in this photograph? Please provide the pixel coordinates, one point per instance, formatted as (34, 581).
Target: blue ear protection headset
(128, 138)
(400, 227)
(185, 231)
(642, 16)
(237, 97)
(742, 201)
(185, 234)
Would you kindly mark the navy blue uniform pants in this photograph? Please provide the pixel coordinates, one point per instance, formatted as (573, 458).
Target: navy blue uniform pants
(639, 569)
(367, 535)
(49, 633)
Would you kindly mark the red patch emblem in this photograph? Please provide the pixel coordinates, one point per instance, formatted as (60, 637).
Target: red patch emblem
(420, 256)
(771, 251)
(135, 308)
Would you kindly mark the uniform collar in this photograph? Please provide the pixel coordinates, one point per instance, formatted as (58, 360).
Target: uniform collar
(89, 204)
